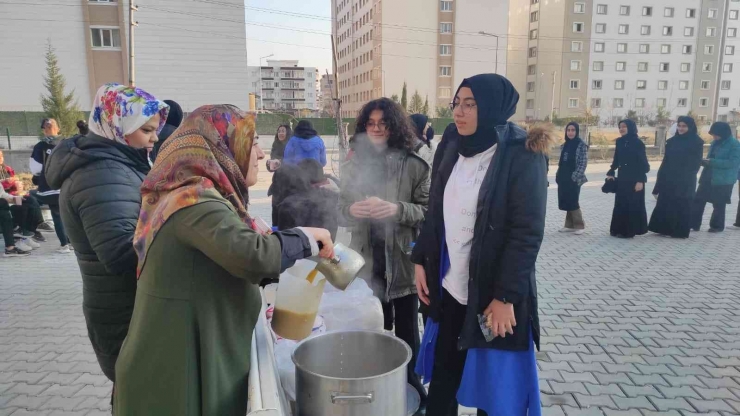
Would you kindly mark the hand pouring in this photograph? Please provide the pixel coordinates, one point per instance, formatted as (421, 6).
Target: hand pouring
(343, 268)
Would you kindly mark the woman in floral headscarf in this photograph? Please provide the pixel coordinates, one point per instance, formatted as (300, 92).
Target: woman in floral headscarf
(99, 176)
(200, 262)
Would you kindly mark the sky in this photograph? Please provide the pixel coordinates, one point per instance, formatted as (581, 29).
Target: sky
(310, 49)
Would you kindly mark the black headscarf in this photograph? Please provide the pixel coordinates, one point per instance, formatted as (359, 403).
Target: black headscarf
(430, 136)
(577, 127)
(721, 129)
(174, 117)
(631, 130)
(693, 130)
(305, 130)
(496, 99)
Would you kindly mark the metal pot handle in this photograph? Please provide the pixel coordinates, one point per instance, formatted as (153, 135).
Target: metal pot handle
(343, 398)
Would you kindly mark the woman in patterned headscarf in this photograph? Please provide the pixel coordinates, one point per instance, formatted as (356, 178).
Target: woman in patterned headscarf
(200, 262)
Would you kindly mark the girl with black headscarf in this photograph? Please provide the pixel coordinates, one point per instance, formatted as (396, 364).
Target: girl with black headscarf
(717, 178)
(676, 184)
(630, 216)
(423, 145)
(476, 256)
(570, 177)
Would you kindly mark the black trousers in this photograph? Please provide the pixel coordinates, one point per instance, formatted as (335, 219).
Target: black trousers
(449, 362)
(27, 216)
(718, 215)
(6, 223)
(404, 313)
(53, 202)
(737, 217)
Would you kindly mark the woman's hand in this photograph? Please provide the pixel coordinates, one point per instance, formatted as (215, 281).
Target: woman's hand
(323, 238)
(361, 209)
(639, 186)
(501, 318)
(610, 178)
(383, 210)
(421, 284)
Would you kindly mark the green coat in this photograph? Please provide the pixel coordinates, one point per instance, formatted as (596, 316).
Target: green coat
(726, 161)
(197, 302)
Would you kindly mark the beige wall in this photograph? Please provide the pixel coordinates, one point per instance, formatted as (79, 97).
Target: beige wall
(105, 66)
(563, 92)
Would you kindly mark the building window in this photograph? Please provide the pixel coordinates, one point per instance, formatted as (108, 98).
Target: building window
(691, 13)
(618, 102)
(621, 48)
(667, 30)
(708, 49)
(575, 65)
(573, 103)
(578, 27)
(534, 17)
(445, 71)
(600, 28)
(644, 48)
(662, 102)
(683, 85)
(726, 85)
(685, 67)
(687, 49)
(729, 50)
(533, 52)
(645, 30)
(533, 34)
(534, 2)
(665, 49)
(624, 29)
(579, 8)
(727, 68)
(445, 6)
(596, 103)
(682, 102)
(619, 85)
(602, 9)
(598, 66)
(640, 102)
(530, 86)
(599, 47)
(711, 32)
(530, 104)
(621, 66)
(641, 85)
(733, 14)
(705, 85)
(647, 11)
(662, 85)
(445, 50)
(712, 13)
(445, 92)
(102, 1)
(724, 102)
(624, 10)
(105, 38)
(532, 70)
(445, 28)
(575, 84)
(597, 83)
(688, 31)
(731, 32)
(668, 12)
(706, 67)
(665, 67)
(703, 102)
(642, 67)
(576, 46)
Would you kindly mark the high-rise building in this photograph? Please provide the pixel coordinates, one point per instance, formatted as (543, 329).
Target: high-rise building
(327, 91)
(191, 52)
(285, 87)
(429, 45)
(601, 58)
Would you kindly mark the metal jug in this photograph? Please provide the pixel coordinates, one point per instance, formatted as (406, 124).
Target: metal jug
(343, 268)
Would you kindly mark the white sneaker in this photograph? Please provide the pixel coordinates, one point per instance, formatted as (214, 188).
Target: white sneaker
(30, 243)
(579, 232)
(23, 246)
(566, 230)
(65, 249)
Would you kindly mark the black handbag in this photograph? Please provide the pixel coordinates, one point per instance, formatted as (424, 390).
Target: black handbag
(610, 186)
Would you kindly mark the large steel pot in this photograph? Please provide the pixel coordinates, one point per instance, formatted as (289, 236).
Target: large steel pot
(351, 373)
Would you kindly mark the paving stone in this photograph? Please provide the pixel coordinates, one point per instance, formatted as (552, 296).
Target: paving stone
(27, 402)
(62, 390)
(27, 389)
(600, 389)
(558, 399)
(553, 411)
(640, 402)
(582, 377)
(671, 404)
(636, 391)
(716, 393)
(572, 411)
(709, 405)
(650, 380)
(719, 382)
(675, 392)
(594, 401)
(560, 388)
(100, 392)
(611, 412)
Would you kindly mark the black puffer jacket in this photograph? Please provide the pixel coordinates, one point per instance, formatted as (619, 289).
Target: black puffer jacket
(100, 202)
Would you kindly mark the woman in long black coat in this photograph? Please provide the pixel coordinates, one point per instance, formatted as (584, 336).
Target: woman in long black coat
(676, 185)
(570, 177)
(630, 159)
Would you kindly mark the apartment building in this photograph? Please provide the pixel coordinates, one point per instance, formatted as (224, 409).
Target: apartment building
(605, 58)
(429, 45)
(284, 86)
(190, 52)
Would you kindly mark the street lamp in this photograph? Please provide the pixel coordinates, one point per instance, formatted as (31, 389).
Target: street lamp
(495, 36)
(262, 97)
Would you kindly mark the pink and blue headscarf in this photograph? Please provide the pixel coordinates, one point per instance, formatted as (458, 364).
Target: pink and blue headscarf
(119, 110)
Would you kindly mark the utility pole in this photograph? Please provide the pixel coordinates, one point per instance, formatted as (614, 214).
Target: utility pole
(552, 105)
(131, 57)
(497, 38)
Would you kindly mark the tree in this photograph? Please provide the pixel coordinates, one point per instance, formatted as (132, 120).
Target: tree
(394, 98)
(425, 109)
(61, 106)
(443, 112)
(632, 115)
(691, 114)
(662, 116)
(404, 99)
(417, 105)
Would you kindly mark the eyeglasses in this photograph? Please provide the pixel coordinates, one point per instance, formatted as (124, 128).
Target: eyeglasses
(380, 126)
(466, 107)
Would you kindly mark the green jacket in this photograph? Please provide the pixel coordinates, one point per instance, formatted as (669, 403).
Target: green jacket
(408, 186)
(725, 162)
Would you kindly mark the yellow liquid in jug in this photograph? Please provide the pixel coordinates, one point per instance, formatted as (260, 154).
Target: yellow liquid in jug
(312, 275)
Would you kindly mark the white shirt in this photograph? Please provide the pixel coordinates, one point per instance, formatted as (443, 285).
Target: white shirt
(460, 211)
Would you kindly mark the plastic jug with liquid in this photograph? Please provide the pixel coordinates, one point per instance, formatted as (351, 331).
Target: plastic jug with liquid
(297, 301)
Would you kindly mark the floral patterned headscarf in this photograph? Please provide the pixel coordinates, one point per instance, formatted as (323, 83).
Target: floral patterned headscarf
(119, 110)
(206, 159)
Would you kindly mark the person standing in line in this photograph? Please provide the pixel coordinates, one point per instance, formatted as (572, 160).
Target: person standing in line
(174, 118)
(424, 147)
(476, 255)
(629, 217)
(736, 225)
(99, 176)
(282, 135)
(676, 184)
(383, 197)
(277, 153)
(305, 144)
(570, 177)
(717, 178)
